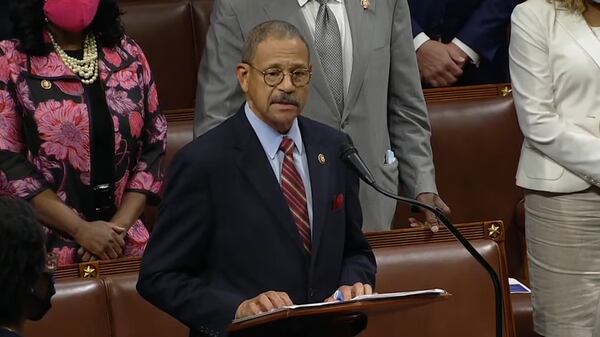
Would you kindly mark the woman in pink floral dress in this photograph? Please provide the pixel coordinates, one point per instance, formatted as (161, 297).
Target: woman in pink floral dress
(81, 133)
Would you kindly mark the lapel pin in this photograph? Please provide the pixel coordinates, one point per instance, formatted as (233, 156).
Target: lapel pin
(365, 3)
(322, 159)
(46, 84)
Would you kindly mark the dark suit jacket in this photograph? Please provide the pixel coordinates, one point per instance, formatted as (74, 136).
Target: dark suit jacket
(225, 233)
(480, 24)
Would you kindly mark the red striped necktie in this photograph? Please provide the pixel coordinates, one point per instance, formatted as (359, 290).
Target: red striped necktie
(293, 191)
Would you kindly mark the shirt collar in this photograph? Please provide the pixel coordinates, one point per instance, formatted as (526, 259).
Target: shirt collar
(304, 2)
(269, 138)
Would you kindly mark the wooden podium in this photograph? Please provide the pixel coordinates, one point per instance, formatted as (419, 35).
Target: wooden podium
(340, 319)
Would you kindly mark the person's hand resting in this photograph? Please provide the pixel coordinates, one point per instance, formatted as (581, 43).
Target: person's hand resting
(458, 55)
(349, 292)
(264, 302)
(101, 239)
(431, 221)
(436, 65)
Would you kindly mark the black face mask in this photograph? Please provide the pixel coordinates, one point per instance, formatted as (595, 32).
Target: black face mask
(39, 304)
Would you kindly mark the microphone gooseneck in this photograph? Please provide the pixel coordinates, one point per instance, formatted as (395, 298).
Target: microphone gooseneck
(351, 156)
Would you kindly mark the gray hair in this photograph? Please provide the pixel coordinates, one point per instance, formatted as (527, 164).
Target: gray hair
(277, 29)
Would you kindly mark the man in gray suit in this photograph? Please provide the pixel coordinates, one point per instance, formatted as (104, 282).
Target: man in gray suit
(365, 82)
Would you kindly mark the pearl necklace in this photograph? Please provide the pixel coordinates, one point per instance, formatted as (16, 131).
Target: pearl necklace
(87, 68)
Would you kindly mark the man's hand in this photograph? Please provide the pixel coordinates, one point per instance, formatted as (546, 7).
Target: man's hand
(431, 221)
(101, 239)
(458, 55)
(436, 65)
(349, 292)
(264, 302)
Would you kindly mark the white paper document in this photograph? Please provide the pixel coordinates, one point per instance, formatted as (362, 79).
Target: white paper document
(372, 297)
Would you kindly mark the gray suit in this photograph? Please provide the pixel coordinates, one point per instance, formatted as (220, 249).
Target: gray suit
(384, 106)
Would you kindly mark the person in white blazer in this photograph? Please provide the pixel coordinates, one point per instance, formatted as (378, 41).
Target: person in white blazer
(555, 71)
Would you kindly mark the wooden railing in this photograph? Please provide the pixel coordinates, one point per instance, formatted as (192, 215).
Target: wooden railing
(493, 230)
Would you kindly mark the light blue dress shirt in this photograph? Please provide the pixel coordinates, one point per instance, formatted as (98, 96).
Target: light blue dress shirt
(270, 139)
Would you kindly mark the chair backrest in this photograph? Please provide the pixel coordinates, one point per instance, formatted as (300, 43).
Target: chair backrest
(411, 259)
(103, 307)
(133, 316)
(172, 34)
(79, 308)
(476, 145)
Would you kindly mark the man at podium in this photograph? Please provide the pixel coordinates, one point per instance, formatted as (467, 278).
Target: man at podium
(260, 212)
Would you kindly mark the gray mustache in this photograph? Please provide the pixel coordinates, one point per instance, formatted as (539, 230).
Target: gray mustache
(285, 99)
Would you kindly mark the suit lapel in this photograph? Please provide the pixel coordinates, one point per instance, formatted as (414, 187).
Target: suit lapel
(289, 10)
(361, 27)
(576, 26)
(319, 178)
(254, 165)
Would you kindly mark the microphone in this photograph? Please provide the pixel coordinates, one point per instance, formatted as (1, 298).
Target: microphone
(350, 155)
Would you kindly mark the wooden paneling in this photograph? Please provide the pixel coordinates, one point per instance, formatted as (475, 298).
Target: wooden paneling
(467, 92)
(393, 238)
(414, 236)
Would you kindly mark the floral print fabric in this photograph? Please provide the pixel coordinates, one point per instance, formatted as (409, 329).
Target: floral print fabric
(45, 132)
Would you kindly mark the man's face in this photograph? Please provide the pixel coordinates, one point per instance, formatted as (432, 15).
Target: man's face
(280, 104)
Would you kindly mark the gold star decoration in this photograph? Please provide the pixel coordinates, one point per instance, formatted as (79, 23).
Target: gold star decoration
(89, 272)
(494, 231)
(505, 91)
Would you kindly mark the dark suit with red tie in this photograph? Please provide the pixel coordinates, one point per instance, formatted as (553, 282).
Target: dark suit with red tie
(226, 234)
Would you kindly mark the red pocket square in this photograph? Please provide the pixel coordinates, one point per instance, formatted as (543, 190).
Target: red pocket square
(338, 202)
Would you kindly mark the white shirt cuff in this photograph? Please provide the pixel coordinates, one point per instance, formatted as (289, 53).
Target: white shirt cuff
(420, 39)
(470, 52)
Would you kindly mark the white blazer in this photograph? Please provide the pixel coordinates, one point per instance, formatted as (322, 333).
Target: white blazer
(555, 71)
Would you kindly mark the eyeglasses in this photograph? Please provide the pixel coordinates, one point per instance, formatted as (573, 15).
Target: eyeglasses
(274, 76)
